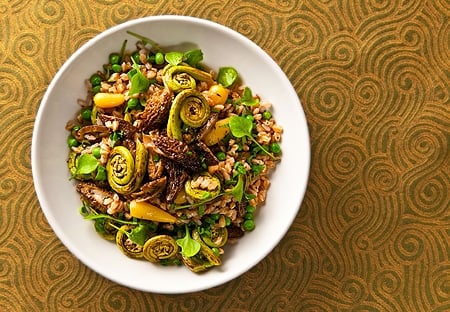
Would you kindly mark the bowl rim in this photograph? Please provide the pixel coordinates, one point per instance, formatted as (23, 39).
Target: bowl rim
(39, 188)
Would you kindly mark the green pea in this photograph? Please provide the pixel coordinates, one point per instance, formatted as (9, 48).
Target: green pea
(250, 117)
(159, 58)
(266, 115)
(97, 152)
(248, 225)
(250, 209)
(221, 156)
(96, 89)
(151, 58)
(133, 103)
(136, 57)
(215, 216)
(86, 113)
(116, 68)
(95, 80)
(114, 58)
(249, 216)
(216, 251)
(275, 148)
(71, 141)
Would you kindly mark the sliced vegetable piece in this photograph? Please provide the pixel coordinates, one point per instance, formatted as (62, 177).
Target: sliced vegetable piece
(218, 94)
(193, 187)
(125, 173)
(190, 107)
(216, 237)
(127, 246)
(218, 132)
(147, 211)
(204, 259)
(108, 100)
(181, 77)
(160, 247)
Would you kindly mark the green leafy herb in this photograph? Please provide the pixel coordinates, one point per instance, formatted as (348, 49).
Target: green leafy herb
(174, 58)
(94, 216)
(193, 57)
(238, 190)
(139, 83)
(87, 164)
(146, 41)
(138, 234)
(101, 173)
(227, 76)
(189, 246)
(247, 98)
(116, 136)
(242, 127)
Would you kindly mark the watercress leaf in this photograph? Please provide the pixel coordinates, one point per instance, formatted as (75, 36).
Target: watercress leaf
(240, 126)
(227, 76)
(139, 83)
(138, 234)
(87, 164)
(193, 57)
(238, 190)
(247, 98)
(173, 58)
(99, 226)
(189, 246)
(101, 173)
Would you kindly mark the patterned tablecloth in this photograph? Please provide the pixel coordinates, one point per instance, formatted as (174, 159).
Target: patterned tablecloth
(373, 232)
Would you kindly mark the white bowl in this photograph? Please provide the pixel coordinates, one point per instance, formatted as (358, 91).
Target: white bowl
(221, 47)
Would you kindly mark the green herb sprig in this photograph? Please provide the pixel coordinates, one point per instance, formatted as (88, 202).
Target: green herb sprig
(241, 127)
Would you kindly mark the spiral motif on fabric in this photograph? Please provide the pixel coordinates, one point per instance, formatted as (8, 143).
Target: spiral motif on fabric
(413, 35)
(341, 157)
(409, 245)
(116, 300)
(353, 206)
(206, 8)
(354, 289)
(383, 5)
(9, 92)
(380, 175)
(440, 283)
(8, 186)
(424, 142)
(58, 263)
(22, 152)
(249, 24)
(49, 12)
(119, 14)
(368, 91)
(301, 31)
(27, 44)
(429, 195)
(387, 284)
(342, 50)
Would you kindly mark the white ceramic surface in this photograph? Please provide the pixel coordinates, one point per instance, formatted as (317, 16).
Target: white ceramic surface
(221, 47)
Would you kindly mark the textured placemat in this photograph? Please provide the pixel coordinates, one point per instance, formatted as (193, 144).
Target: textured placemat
(373, 233)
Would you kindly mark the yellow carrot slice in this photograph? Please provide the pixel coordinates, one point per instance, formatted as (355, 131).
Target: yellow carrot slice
(108, 100)
(147, 211)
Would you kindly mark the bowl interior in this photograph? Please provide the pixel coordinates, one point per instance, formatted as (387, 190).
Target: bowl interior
(221, 47)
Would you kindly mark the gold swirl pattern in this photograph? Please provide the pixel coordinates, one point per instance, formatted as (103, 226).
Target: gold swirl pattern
(373, 230)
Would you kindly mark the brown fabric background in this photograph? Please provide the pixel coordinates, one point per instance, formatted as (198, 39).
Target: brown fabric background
(373, 232)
